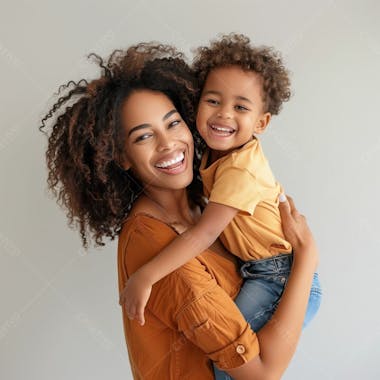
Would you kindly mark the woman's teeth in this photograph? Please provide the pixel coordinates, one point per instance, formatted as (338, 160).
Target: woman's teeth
(166, 164)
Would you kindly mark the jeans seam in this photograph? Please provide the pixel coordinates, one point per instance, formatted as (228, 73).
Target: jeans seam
(262, 312)
(266, 276)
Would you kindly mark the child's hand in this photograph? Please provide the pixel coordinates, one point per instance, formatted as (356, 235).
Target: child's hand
(135, 296)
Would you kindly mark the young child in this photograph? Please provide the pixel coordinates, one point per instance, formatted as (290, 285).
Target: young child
(242, 87)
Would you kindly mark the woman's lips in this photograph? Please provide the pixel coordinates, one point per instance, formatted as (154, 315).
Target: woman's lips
(175, 166)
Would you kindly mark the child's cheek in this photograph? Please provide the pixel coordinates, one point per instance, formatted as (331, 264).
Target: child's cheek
(202, 115)
(198, 121)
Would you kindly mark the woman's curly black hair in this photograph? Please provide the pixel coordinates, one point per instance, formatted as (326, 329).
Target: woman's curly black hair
(86, 140)
(236, 49)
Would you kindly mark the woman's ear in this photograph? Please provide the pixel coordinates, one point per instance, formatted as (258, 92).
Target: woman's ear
(262, 123)
(123, 162)
(126, 164)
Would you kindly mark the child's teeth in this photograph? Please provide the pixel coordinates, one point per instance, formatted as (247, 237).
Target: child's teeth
(222, 129)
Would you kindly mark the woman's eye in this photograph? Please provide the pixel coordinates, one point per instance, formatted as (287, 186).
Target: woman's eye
(174, 123)
(143, 137)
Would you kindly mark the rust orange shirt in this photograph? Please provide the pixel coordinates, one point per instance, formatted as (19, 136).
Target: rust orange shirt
(190, 317)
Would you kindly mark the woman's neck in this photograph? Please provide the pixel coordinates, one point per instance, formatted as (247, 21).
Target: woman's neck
(172, 207)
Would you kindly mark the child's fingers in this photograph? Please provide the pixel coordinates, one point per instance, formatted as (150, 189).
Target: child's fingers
(140, 316)
(131, 312)
(121, 299)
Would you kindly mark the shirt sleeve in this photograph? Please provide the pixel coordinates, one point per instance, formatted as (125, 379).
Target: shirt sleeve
(236, 187)
(189, 300)
(214, 323)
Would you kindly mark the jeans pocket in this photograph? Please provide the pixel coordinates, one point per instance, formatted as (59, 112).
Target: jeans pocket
(281, 280)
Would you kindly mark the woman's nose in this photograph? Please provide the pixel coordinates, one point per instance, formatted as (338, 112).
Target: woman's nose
(165, 142)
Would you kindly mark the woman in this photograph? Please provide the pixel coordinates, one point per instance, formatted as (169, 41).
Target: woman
(120, 160)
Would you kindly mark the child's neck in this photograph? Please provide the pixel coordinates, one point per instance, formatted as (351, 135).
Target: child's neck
(216, 154)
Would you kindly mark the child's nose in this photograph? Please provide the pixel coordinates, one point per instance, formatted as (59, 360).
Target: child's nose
(224, 113)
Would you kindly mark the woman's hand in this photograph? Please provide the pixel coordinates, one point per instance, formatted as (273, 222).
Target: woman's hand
(135, 296)
(296, 230)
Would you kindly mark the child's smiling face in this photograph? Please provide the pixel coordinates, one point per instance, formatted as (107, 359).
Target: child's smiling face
(231, 108)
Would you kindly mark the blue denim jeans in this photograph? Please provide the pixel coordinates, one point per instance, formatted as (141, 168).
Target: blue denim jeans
(264, 283)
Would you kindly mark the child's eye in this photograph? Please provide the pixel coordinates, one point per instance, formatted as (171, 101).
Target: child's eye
(241, 108)
(212, 101)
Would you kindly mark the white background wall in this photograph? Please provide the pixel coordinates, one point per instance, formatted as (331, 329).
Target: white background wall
(59, 315)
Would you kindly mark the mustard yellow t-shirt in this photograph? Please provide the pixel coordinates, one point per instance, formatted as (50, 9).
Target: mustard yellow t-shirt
(243, 180)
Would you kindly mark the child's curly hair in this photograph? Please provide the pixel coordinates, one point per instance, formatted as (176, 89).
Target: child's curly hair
(235, 49)
(86, 142)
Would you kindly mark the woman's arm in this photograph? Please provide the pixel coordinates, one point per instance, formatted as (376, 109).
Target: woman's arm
(185, 247)
(278, 339)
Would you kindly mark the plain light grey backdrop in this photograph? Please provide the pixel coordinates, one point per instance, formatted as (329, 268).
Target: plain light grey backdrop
(59, 313)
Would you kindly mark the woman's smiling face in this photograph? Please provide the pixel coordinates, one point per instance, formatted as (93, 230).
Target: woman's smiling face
(159, 146)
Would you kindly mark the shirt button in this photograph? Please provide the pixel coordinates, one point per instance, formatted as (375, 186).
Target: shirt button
(283, 279)
(240, 349)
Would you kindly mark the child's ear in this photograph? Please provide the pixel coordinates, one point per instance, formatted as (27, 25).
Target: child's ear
(262, 123)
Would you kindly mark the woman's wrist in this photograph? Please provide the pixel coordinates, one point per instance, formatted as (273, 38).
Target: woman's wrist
(306, 256)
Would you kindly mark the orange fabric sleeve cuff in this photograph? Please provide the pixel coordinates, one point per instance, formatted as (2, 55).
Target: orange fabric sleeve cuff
(214, 324)
(242, 350)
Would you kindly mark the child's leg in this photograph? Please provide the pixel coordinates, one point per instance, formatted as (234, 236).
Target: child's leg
(314, 300)
(260, 293)
(258, 300)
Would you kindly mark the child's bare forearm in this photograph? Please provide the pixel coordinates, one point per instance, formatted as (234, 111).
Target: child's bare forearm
(185, 247)
(190, 244)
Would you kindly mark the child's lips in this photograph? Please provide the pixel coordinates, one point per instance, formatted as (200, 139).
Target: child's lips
(221, 130)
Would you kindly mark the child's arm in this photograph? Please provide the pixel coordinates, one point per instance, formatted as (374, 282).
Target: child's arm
(186, 246)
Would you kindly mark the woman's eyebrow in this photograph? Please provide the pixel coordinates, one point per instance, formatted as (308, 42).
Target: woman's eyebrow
(170, 113)
(141, 126)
